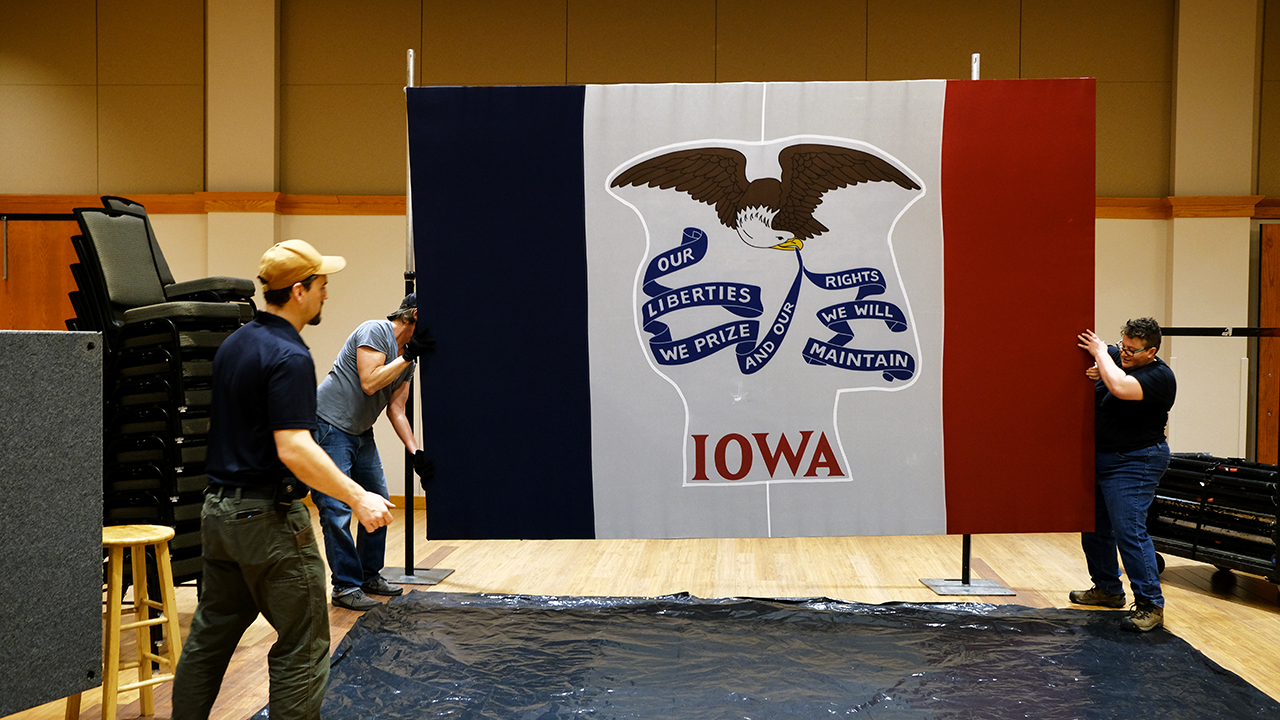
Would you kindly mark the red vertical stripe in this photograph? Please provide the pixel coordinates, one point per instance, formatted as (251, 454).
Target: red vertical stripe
(1018, 228)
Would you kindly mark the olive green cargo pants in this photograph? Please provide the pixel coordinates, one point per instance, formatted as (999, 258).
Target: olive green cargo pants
(259, 557)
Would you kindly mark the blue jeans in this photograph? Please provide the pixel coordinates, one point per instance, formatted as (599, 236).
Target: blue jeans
(352, 563)
(1125, 485)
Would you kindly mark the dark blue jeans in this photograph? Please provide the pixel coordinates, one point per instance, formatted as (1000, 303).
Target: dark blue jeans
(1125, 484)
(352, 562)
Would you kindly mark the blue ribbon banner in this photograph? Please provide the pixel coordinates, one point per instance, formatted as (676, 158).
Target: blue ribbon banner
(740, 299)
(892, 364)
(745, 301)
(869, 281)
(692, 248)
(837, 317)
(753, 359)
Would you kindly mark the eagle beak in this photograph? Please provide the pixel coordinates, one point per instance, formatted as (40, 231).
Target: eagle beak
(792, 244)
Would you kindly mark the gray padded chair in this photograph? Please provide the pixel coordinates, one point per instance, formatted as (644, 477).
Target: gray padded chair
(211, 289)
(116, 254)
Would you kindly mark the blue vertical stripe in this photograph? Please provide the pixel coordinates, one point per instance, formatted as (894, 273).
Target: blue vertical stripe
(502, 284)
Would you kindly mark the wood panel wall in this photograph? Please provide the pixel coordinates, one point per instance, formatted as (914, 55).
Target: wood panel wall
(37, 275)
(1269, 348)
(108, 96)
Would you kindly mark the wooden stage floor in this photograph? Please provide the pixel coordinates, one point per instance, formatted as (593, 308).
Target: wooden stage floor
(1232, 618)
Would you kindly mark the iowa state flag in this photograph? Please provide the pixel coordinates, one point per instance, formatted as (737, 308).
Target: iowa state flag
(756, 310)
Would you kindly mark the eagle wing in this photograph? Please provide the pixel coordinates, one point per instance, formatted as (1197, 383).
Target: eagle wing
(809, 171)
(715, 176)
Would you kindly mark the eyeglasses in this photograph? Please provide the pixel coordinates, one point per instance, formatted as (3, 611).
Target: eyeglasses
(1130, 352)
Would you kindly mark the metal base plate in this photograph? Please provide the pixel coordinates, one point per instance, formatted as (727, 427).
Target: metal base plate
(420, 576)
(974, 587)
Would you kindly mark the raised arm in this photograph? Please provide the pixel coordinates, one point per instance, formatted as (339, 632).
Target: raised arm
(1121, 384)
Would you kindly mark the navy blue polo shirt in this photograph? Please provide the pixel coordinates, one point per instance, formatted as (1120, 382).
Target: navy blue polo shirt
(263, 380)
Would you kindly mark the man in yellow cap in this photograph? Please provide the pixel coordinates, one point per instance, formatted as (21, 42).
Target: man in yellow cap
(260, 553)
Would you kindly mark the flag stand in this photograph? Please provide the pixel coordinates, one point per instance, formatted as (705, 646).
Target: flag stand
(410, 575)
(965, 585)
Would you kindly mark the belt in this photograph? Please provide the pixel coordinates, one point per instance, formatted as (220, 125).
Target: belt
(285, 492)
(250, 493)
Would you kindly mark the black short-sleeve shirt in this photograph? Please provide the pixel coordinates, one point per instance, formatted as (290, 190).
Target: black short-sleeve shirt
(263, 380)
(1128, 425)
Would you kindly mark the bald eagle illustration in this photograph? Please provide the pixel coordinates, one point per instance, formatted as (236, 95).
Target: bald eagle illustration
(767, 212)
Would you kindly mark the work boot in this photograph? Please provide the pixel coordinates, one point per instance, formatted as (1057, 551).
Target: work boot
(355, 600)
(1143, 617)
(1097, 596)
(380, 586)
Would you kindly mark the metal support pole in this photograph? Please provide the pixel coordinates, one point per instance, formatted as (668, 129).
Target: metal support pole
(410, 575)
(966, 585)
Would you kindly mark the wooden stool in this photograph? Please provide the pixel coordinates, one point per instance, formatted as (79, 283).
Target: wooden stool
(115, 539)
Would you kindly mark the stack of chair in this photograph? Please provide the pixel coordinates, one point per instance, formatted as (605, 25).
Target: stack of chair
(160, 339)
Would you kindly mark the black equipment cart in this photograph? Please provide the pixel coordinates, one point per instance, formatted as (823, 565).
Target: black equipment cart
(1220, 511)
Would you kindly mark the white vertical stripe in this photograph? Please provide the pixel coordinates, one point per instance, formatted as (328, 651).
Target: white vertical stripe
(764, 109)
(768, 510)
(884, 435)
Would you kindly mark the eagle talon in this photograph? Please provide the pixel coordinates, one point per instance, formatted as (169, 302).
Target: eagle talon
(792, 244)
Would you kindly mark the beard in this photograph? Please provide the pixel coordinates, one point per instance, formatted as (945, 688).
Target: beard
(315, 320)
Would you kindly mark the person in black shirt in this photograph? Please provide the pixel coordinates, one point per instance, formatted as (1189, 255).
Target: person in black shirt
(259, 549)
(1133, 392)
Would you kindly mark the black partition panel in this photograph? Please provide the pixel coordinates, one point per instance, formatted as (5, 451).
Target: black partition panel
(50, 516)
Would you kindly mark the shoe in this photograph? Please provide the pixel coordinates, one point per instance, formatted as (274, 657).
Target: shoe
(355, 600)
(1143, 617)
(380, 586)
(1096, 596)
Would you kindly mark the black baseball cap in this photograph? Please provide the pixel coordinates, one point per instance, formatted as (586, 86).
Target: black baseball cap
(409, 302)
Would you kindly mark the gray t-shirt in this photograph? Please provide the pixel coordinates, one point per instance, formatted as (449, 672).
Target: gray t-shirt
(340, 401)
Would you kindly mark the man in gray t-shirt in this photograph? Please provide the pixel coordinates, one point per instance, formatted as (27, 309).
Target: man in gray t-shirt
(370, 374)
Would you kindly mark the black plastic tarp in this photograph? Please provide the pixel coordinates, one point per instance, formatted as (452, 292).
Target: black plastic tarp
(443, 655)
